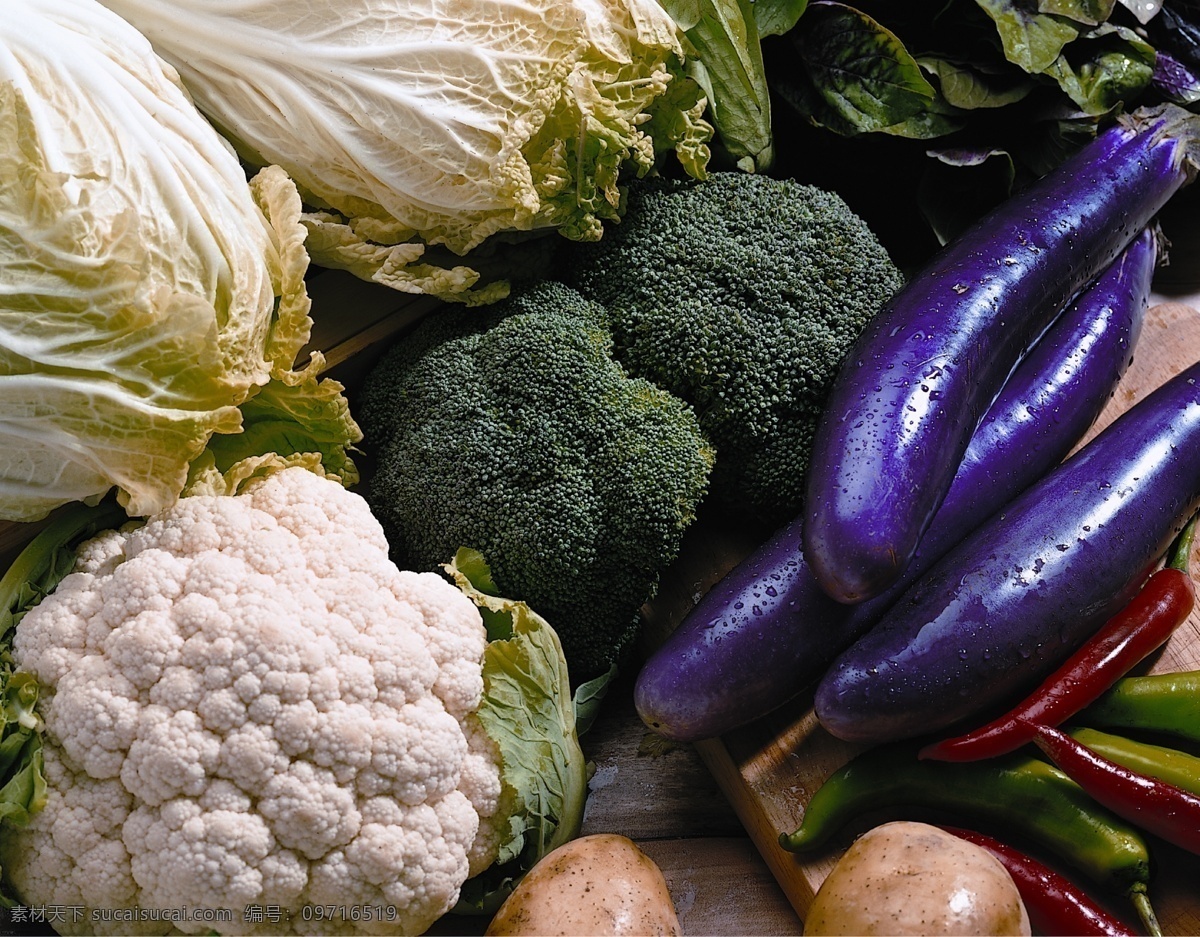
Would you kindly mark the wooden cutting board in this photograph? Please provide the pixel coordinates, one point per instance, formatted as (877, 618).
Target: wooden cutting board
(769, 770)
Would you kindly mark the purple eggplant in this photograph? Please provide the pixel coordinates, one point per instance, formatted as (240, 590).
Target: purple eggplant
(912, 390)
(767, 631)
(1014, 598)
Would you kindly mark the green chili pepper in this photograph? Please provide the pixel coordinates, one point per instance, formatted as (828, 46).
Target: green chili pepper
(1161, 702)
(1157, 761)
(1023, 795)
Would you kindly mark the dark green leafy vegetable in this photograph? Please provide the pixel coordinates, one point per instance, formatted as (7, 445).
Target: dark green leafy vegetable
(971, 88)
(860, 78)
(776, 17)
(1031, 40)
(1083, 11)
(1028, 82)
(1104, 68)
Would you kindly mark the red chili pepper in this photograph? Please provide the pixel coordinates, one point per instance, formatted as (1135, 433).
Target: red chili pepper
(1156, 806)
(1055, 904)
(1140, 628)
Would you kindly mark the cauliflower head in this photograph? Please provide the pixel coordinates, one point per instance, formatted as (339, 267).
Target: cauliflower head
(247, 705)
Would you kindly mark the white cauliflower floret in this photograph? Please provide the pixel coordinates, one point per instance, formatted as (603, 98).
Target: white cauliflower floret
(75, 848)
(248, 704)
(481, 784)
(402, 855)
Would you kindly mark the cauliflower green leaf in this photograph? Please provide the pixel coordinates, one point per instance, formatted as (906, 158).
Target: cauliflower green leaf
(528, 711)
(22, 784)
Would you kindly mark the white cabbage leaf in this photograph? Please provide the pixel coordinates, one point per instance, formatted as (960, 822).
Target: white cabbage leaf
(148, 291)
(410, 123)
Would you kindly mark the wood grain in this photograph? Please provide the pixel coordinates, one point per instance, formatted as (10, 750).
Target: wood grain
(661, 795)
(718, 887)
(770, 769)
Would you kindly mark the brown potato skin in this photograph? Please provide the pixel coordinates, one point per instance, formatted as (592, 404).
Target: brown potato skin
(597, 885)
(905, 878)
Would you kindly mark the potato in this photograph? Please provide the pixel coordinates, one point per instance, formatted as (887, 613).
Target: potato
(913, 878)
(598, 885)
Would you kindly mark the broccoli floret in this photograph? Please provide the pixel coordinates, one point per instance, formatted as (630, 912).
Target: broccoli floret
(510, 429)
(740, 294)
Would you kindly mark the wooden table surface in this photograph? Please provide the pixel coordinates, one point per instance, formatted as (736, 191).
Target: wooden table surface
(661, 795)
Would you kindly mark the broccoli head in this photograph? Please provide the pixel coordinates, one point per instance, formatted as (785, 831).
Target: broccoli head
(512, 430)
(740, 294)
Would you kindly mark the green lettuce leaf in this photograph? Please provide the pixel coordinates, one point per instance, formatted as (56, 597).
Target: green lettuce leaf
(728, 65)
(968, 86)
(1088, 12)
(1104, 68)
(776, 17)
(1032, 40)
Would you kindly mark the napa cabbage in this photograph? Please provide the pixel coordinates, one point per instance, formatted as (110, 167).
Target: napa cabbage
(418, 129)
(150, 295)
